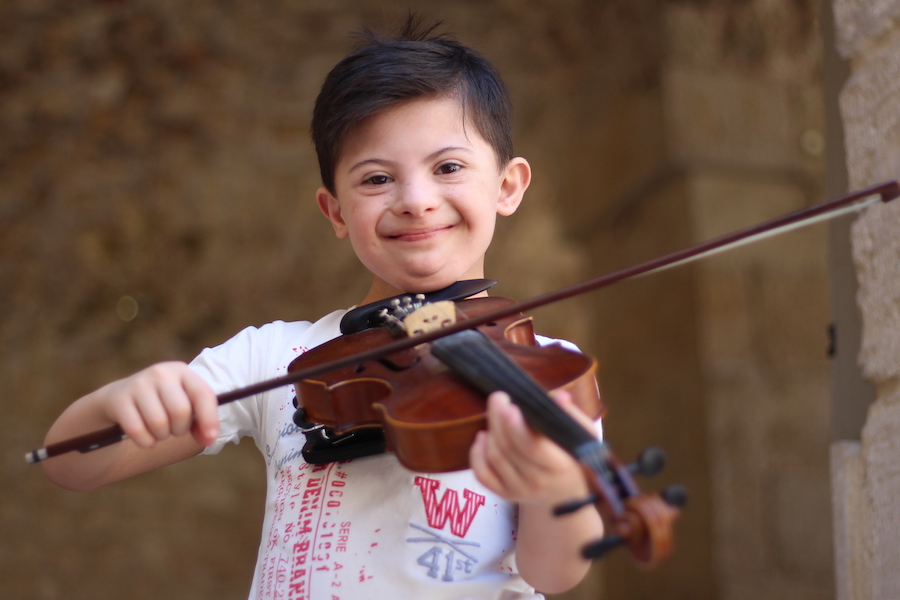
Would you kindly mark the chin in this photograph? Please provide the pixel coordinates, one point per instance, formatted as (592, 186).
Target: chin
(427, 284)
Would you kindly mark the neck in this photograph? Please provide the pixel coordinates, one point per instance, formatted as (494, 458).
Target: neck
(379, 290)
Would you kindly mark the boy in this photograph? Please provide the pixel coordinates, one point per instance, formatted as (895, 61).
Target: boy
(414, 145)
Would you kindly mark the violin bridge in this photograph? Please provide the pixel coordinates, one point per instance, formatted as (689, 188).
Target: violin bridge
(430, 317)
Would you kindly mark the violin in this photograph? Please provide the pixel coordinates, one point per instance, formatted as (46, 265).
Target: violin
(426, 403)
(642, 522)
(428, 413)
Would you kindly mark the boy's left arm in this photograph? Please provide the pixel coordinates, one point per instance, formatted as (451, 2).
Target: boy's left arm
(526, 467)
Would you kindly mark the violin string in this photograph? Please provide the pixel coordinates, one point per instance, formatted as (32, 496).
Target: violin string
(478, 359)
(481, 362)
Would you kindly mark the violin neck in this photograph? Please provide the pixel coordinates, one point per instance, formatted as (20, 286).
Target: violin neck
(483, 364)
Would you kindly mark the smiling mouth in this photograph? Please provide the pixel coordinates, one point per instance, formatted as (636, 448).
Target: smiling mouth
(421, 234)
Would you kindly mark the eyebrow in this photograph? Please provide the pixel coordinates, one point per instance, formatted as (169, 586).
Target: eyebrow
(432, 156)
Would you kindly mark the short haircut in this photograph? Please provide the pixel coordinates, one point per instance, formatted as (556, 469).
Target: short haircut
(384, 71)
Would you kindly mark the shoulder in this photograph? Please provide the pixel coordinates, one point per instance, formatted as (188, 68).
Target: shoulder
(253, 355)
(312, 333)
(252, 352)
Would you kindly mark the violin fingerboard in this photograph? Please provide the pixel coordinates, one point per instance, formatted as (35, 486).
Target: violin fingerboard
(480, 362)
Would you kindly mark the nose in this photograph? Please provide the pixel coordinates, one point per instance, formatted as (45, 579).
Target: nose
(415, 197)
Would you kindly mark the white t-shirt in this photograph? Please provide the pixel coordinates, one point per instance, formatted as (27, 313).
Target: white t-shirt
(365, 528)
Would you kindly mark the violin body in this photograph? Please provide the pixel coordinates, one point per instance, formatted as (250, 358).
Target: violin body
(429, 415)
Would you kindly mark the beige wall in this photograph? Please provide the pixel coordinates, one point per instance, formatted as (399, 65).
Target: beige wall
(158, 151)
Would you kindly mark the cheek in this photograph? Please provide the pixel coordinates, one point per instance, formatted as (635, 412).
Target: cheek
(483, 218)
(359, 220)
(362, 231)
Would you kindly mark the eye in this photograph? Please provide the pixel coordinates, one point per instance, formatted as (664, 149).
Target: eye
(448, 168)
(377, 180)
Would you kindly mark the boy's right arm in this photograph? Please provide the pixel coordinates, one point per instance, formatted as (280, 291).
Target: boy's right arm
(168, 412)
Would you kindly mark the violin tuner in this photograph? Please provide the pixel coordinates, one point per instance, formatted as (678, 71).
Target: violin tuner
(649, 462)
(675, 495)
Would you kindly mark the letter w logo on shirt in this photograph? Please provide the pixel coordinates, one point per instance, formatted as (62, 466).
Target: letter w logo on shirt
(438, 513)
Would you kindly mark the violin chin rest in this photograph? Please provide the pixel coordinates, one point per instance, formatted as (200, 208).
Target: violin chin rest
(355, 444)
(324, 446)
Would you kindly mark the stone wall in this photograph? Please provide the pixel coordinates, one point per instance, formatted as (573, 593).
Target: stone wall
(866, 479)
(156, 187)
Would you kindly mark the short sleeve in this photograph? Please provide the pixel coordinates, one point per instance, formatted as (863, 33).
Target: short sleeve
(247, 358)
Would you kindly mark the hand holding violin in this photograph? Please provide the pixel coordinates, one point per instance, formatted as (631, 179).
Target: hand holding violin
(525, 467)
(513, 460)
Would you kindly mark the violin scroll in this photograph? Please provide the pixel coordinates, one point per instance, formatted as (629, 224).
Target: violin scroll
(645, 529)
(641, 522)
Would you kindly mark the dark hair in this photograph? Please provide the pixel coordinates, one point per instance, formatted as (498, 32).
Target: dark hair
(384, 71)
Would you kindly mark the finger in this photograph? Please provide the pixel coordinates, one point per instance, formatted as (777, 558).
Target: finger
(503, 453)
(529, 448)
(565, 401)
(505, 424)
(153, 413)
(480, 467)
(562, 397)
(177, 406)
(206, 408)
(132, 423)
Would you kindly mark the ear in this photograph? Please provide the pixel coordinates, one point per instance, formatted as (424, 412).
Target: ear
(516, 178)
(329, 206)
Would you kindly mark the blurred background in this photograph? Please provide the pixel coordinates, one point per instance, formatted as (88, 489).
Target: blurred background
(157, 195)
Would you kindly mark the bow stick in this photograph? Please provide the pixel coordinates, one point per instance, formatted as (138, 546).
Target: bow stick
(853, 202)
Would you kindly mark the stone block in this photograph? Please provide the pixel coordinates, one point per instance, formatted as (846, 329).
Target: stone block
(876, 252)
(852, 551)
(858, 23)
(870, 107)
(880, 449)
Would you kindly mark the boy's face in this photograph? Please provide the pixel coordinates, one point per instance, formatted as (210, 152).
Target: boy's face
(418, 191)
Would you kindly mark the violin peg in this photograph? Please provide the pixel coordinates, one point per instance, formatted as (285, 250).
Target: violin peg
(650, 462)
(573, 505)
(675, 495)
(602, 546)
